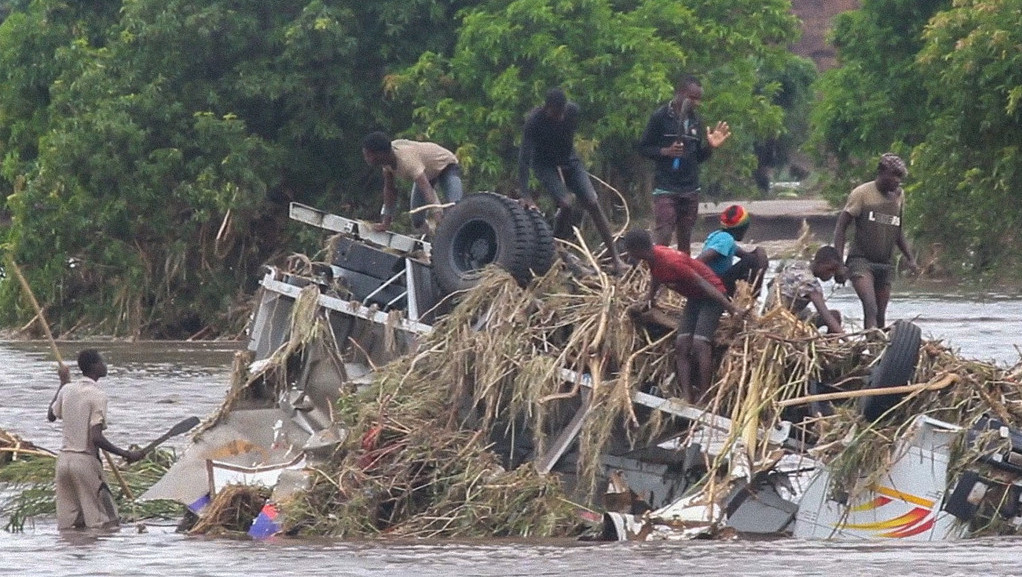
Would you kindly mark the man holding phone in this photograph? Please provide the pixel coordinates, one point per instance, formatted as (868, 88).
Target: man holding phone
(673, 140)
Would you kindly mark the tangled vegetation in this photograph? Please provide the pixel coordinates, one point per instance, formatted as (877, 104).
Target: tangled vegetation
(26, 484)
(426, 451)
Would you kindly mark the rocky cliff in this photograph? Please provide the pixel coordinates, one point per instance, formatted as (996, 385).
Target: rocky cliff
(816, 17)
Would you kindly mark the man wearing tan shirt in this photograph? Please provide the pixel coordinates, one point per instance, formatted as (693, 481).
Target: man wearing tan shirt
(83, 497)
(429, 166)
(875, 210)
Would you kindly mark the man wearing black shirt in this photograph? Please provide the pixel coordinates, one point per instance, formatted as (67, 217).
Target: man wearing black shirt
(673, 140)
(548, 148)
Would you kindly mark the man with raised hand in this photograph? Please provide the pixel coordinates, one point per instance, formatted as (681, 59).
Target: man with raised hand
(674, 140)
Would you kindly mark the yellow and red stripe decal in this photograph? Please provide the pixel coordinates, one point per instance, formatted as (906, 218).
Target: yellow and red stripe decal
(919, 519)
(876, 503)
(928, 503)
(911, 518)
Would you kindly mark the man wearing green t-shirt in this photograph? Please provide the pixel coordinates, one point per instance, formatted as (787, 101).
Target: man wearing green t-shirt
(875, 208)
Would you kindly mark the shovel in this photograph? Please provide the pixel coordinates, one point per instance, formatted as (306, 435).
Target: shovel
(182, 427)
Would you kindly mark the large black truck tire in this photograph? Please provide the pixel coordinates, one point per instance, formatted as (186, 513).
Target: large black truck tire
(543, 249)
(483, 229)
(897, 367)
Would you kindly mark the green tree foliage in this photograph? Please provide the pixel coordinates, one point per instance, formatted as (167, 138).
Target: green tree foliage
(618, 60)
(873, 102)
(969, 165)
(36, 49)
(793, 79)
(149, 147)
(146, 143)
(938, 82)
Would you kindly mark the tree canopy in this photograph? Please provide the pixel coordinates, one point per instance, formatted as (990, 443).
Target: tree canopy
(940, 83)
(149, 148)
(970, 160)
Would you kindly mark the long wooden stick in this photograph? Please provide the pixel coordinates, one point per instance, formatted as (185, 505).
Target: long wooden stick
(35, 305)
(56, 353)
(35, 452)
(930, 386)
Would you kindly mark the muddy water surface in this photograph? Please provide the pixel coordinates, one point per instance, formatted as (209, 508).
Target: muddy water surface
(154, 385)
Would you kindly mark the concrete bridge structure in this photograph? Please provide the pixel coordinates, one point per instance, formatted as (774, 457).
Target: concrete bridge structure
(774, 220)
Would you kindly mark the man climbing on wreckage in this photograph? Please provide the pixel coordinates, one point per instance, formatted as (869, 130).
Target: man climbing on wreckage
(428, 165)
(705, 300)
(721, 247)
(548, 148)
(798, 284)
(83, 498)
(876, 209)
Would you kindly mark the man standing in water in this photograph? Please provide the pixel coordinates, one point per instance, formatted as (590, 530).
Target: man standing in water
(548, 148)
(83, 497)
(875, 208)
(673, 140)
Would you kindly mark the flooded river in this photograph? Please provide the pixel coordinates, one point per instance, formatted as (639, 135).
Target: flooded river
(154, 385)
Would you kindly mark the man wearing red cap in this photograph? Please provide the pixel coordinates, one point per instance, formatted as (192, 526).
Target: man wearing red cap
(721, 247)
(875, 207)
(704, 302)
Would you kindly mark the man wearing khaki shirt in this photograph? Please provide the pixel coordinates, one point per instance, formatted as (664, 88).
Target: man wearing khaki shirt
(83, 497)
(427, 165)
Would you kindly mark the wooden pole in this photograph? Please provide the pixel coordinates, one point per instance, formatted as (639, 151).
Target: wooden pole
(35, 305)
(60, 361)
(930, 386)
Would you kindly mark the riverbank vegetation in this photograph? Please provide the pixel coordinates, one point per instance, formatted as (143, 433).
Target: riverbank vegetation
(148, 150)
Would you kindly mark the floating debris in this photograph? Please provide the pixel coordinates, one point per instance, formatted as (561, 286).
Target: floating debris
(527, 406)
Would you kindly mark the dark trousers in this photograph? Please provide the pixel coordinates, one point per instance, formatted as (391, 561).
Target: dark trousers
(749, 268)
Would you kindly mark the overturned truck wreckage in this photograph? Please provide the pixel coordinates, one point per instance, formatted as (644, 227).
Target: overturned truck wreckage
(414, 389)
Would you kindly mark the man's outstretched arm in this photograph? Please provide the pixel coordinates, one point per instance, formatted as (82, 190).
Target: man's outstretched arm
(103, 443)
(65, 377)
(833, 326)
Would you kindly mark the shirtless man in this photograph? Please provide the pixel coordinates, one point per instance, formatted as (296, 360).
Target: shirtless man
(83, 497)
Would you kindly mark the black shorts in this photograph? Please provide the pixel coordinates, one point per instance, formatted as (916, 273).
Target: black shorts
(700, 318)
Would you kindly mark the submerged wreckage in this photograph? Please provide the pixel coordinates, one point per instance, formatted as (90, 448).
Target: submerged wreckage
(369, 401)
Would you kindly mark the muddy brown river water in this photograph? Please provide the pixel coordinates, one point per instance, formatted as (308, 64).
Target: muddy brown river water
(153, 385)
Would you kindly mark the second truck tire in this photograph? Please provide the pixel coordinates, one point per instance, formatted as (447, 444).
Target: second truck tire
(483, 229)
